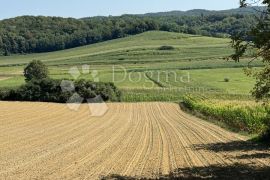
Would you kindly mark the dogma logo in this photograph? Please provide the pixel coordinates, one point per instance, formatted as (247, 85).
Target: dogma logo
(97, 105)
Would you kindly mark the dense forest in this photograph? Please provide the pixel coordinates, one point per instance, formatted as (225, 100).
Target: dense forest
(30, 34)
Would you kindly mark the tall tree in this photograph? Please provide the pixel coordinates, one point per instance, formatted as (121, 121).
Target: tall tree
(258, 39)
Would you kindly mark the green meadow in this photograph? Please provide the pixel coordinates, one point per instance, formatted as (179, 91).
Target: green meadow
(195, 65)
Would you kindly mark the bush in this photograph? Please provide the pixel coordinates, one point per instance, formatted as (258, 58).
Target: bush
(88, 90)
(35, 70)
(49, 90)
(226, 79)
(3, 94)
(166, 48)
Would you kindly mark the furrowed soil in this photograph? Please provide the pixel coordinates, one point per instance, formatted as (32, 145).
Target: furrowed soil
(49, 141)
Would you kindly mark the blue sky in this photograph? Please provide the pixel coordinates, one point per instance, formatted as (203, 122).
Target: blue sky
(85, 8)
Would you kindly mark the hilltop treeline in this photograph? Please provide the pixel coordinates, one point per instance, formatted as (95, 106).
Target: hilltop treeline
(29, 34)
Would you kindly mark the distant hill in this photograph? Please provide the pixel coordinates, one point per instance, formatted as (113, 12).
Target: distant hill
(129, 50)
(35, 34)
(198, 12)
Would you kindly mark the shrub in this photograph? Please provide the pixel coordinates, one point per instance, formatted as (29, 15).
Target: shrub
(35, 70)
(3, 94)
(226, 79)
(88, 90)
(49, 90)
(166, 48)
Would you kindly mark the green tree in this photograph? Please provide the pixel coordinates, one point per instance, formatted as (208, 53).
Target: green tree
(35, 70)
(1, 42)
(6, 52)
(257, 38)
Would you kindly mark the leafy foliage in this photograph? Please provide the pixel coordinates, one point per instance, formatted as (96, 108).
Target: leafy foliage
(260, 40)
(166, 48)
(262, 86)
(49, 90)
(29, 34)
(35, 70)
(39, 87)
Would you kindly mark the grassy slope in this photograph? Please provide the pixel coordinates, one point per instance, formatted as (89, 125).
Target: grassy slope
(201, 57)
(134, 49)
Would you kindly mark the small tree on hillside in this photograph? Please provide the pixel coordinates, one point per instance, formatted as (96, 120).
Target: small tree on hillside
(35, 70)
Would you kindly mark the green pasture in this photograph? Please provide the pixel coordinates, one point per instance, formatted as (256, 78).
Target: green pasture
(135, 64)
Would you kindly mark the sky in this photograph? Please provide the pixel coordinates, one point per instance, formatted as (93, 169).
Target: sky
(87, 8)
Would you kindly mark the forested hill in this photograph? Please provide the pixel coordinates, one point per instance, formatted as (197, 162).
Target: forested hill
(29, 34)
(199, 12)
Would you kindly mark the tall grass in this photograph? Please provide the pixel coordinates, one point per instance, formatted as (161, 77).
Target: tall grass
(246, 116)
(151, 95)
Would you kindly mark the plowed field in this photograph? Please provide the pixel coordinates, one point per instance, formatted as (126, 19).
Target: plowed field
(49, 141)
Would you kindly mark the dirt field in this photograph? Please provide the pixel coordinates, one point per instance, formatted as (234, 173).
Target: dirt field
(48, 141)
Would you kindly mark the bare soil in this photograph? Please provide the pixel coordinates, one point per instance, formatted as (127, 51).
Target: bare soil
(49, 141)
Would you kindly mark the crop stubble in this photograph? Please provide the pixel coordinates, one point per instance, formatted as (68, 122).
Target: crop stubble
(48, 141)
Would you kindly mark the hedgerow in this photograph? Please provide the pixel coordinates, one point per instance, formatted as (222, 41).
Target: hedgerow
(49, 90)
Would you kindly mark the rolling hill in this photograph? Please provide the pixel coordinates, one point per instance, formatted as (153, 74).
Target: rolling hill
(199, 12)
(138, 66)
(134, 49)
(36, 34)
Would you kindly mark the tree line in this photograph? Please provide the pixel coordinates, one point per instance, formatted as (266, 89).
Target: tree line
(30, 34)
